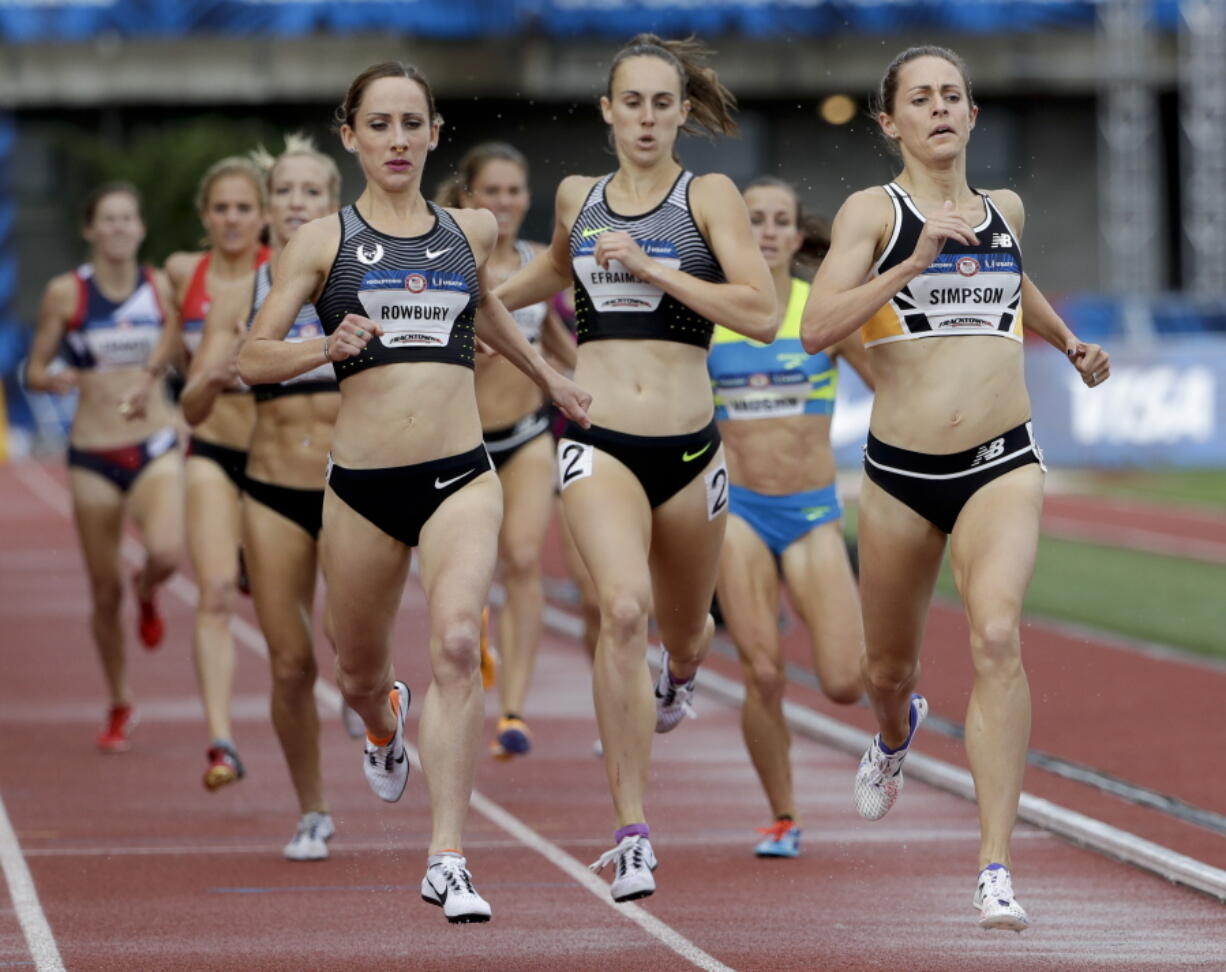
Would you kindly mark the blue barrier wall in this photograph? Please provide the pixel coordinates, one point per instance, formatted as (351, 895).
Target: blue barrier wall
(1164, 405)
(23, 21)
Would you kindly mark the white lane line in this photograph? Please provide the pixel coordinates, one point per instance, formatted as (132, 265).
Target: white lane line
(39, 939)
(1061, 821)
(46, 488)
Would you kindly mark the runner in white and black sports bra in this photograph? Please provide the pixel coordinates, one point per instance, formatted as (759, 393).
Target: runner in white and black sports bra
(969, 289)
(929, 270)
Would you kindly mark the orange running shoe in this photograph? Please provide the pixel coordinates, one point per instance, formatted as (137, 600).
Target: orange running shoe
(151, 628)
(489, 667)
(116, 734)
(224, 765)
(513, 738)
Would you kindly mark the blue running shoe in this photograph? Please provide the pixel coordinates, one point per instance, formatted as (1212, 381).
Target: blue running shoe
(782, 840)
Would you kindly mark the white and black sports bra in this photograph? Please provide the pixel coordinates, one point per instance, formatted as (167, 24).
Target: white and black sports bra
(966, 290)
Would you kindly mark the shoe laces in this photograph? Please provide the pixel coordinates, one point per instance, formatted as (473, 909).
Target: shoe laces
(778, 830)
(629, 854)
(456, 875)
(997, 883)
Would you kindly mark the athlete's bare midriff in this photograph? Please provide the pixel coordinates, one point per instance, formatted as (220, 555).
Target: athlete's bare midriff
(779, 456)
(230, 422)
(645, 387)
(292, 436)
(946, 394)
(504, 393)
(98, 423)
(405, 413)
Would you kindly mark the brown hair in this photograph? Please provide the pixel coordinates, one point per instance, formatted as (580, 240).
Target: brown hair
(815, 232)
(230, 166)
(298, 145)
(346, 111)
(451, 191)
(883, 101)
(94, 199)
(711, 104)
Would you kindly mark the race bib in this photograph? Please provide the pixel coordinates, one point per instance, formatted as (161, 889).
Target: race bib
(967, 291)
(574, 461)
(764, 395)
(415, 308)
(616, 288)
(717, 490)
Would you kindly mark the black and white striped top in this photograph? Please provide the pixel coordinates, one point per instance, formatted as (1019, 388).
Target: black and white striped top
(422, 290)
(306, 326)
(613, 303)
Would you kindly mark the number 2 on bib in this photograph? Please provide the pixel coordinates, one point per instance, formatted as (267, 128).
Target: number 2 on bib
(574, 461)
(717, 490)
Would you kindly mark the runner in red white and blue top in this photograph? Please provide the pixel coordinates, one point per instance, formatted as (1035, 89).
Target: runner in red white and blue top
(108, 320)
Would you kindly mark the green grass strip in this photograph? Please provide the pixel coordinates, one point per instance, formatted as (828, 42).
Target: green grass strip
(1197, 487)
(1170, 600)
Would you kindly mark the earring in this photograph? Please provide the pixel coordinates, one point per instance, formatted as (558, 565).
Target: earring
(352, 150)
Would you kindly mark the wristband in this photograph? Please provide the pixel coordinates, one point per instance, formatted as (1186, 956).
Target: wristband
(327, 357)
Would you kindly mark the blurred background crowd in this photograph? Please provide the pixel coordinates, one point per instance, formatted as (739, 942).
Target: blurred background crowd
(1107, 116)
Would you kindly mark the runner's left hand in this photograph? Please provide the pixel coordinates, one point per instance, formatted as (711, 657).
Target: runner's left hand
(571, 400)
(1091, 361)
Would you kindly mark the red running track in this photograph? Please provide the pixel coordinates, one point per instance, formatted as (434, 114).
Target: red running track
(1178, 531)
(137, 867)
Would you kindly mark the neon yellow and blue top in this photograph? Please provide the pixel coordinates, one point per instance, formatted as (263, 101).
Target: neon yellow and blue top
(752, 380)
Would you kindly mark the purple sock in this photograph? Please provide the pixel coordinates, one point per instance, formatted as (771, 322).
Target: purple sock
(912, 712)
(996, 867)
(631, 830)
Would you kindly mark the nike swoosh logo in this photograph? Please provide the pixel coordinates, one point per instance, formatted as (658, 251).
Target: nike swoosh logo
(690, 457)
(400, 758)
(431, 254)
(593, 232)
(817, 514)
(441, 484)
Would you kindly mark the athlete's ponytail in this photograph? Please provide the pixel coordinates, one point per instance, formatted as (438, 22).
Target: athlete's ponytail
(711, 103)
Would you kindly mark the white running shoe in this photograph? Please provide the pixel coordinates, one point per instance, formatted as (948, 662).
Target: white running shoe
(995, 902)
(315, 829)
(354, 727)
(879, 779)
(673, 702)
(387, 767)
(449, 885)
(635, 862)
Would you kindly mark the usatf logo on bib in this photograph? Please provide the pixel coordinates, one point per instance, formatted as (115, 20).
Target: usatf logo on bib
(415, 308)
(616, 288)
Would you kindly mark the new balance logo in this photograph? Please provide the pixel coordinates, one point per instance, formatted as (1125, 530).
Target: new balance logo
(1002, 240)
(993, 450)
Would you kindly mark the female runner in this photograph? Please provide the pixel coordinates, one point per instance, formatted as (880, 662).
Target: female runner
(399, 285)
(231, 204)
(774, 405)
(659, 257)
(283, 490)
(108, 317)
(931, 271)
(515, 425)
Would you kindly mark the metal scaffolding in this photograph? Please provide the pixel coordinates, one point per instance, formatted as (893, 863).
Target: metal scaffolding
(1202, 98)
(1130, 166)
